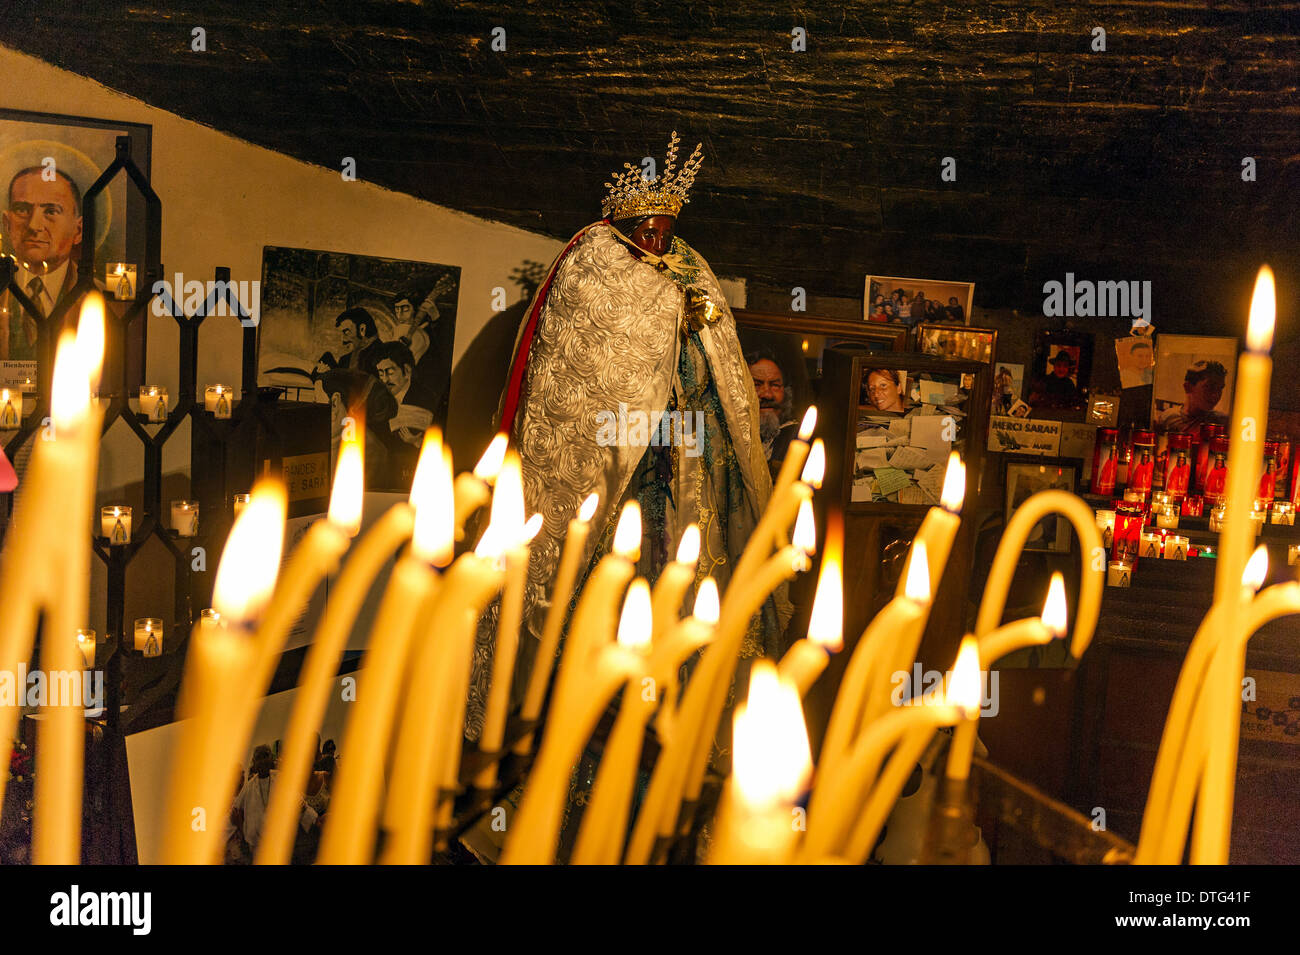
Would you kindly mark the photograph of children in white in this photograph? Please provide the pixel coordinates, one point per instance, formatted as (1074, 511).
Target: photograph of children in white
(907, 425)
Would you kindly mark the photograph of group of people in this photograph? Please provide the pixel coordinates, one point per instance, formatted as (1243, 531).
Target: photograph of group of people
(910, 302)
(373, 337)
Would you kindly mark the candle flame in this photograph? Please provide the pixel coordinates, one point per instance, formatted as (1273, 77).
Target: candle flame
(588, 508)
(90, 337)
(532, 528)
(917, 587)
(1263, 312)
(826, 623)
(71, 390)
(349, 485)
(964, 681)
(771, 758)
(1054, 610)
(637, 621)
(250, 562)
(507, 513)
(809, 424)
(805, 528)
(707, 605)
(627, 536)
(814, 468)
(489, 466)
(1256, 569)
(954, 484)
(688, 551)
(434, 497)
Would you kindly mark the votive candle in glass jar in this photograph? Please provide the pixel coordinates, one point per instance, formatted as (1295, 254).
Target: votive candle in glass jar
(86, 644)
(115, 523)
(216, 399)
(1176, 548)
(209, 617)
(1120, 574)
(1217, 514)
(1106, 524)
(238, 502)
(149, 636)
(1152, 545)
(1167, 518)
(1257, 517)
(153, 403)
(1129, 519)
(1283, 512)
(11, 409)
(185, 518)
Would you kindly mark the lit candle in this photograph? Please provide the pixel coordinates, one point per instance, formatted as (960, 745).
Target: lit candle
(534, 832)
(214, 685)
(115, 523)
(1283, 512)
(575, 543)
(939, 529)
(153, 403)
(1175, 548)
(604, 821)
(1091, 585)
(149, 636)
(426, 765)
(804, 662)
(216, 401)
(1167, 518)
(851, 793)
(562, 593)
(1106, 524)
(350, 824)
(507, 512)
(1245, 460)
(1152, 545)
(44, 567)
(593, 619)
(783, 505)
(743, 599)
(185, 518)
(238, 502)
(771, 765)
(9, 415)
(347, 595)
(1020, 635)
(670, 589)
(868, 670)
(86, 643)
(1119, 574)
(474, 490)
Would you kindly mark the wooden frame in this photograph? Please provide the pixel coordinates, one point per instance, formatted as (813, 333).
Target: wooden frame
(841, 405)
(924, 330)
(1061, 541)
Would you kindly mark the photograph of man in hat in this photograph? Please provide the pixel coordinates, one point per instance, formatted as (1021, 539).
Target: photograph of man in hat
(1059, 388)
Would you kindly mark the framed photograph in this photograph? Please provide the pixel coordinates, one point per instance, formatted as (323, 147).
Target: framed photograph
(1024, 477)
(1136, 356)
(974, 344)
(785, 354)
(372, 337)
(893, 300)
(1059, 375)
(908, 413)
(47, 162)
(1193, 381)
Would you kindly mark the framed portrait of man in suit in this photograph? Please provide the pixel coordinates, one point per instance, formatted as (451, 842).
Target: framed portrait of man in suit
(47, 164)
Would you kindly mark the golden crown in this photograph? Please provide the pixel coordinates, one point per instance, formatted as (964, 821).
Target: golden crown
(631, 195)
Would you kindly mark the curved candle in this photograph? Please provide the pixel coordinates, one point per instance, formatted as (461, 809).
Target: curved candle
(1022, 522)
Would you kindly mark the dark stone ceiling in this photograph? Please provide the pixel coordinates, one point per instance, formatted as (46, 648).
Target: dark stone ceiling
(821, 166)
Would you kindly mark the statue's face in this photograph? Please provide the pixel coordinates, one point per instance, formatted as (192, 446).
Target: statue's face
(654, 234)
